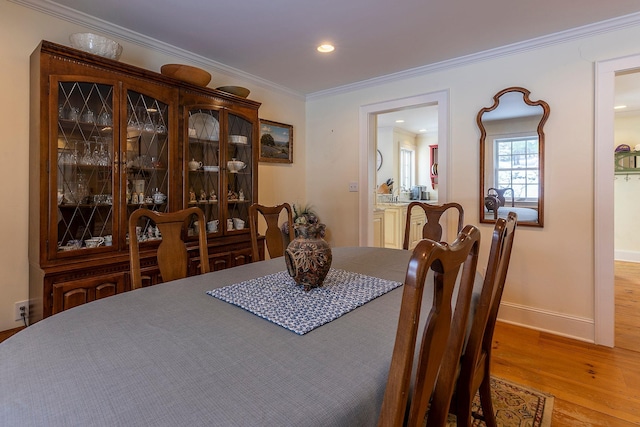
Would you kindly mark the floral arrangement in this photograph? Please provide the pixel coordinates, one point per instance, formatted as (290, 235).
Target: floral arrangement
(304, 215)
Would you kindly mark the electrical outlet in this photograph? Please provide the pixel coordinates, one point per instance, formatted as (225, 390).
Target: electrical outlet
(21, 307)
(353, 186)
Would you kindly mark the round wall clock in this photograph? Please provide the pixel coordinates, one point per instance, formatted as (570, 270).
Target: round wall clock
(378, 160)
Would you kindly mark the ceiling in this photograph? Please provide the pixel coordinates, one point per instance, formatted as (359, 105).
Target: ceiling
(417, 120)
(627, 93)
(275, 40)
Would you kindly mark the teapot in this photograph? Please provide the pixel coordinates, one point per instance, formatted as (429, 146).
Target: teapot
(212, 226)
(235, 165)
(159, 197)
(194, 165)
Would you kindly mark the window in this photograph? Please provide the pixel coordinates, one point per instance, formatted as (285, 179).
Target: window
(407, 168)
(517, 160)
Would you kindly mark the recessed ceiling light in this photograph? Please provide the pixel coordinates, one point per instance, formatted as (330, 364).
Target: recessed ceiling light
(422, 130)
(399, 121)
(326, 48)
(619, 107)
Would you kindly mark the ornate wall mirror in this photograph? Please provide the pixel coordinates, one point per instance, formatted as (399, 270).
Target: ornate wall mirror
(512, 157)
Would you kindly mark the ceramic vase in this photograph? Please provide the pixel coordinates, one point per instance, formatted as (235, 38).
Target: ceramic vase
(308, 256)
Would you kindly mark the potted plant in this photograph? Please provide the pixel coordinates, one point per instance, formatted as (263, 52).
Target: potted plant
(301, 215)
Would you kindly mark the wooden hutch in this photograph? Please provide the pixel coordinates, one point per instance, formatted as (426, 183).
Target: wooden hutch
(107, 138)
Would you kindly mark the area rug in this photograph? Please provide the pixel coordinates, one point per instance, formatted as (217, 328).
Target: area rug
(514, 405)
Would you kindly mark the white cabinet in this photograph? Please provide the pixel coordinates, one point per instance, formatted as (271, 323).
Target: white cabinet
(418, 220)
(378, 228)
(395, 217)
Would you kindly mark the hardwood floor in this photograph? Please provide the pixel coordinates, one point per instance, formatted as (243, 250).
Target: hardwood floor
(592, 385)
(6, 334)
(627, 294)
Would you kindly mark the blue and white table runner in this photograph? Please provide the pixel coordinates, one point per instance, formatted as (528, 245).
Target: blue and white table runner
(279, 299)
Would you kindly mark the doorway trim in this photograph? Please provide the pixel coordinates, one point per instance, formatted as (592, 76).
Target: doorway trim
(604, 247)
(367, 159)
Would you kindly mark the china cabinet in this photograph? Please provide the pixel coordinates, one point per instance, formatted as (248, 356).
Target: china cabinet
(220, 175)
(107, 138)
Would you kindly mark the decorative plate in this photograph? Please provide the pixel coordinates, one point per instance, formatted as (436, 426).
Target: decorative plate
(205, 125)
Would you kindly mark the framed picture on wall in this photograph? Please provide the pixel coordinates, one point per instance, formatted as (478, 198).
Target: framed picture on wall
(276, 142)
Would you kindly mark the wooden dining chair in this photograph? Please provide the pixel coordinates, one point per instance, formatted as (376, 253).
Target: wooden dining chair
(172, 252)
(500, 194)
(273, 234)
(435, 344)
(495, 199)
(474, 366)
(432, 228)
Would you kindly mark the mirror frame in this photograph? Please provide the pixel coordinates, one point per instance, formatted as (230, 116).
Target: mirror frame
(541, 142)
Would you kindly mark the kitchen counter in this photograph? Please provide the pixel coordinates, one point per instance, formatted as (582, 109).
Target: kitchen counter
(403, 203)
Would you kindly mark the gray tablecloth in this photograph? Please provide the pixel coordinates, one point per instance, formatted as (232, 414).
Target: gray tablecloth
(171, 355)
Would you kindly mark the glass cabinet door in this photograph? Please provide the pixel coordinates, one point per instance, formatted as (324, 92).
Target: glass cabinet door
(84, 172)
(203, 168)
(239, 171)
(219, 169)
(146, 157)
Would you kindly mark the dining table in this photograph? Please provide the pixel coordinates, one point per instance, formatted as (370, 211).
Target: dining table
(177, 354)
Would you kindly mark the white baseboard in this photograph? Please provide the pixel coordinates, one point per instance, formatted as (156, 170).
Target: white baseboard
(630, 256)
(574, 327)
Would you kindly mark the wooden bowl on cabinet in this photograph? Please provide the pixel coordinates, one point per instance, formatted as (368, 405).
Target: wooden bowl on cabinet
(240, 91)
(186, 73)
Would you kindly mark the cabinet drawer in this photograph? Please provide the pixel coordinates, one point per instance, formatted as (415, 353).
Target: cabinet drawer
(241, 257)
(67, 295)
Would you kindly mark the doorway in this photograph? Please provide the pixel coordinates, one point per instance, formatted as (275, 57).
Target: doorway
(604, 244)
(368, 155)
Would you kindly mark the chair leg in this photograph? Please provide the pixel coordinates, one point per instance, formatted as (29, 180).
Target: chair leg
(463, 409)
(486, 403)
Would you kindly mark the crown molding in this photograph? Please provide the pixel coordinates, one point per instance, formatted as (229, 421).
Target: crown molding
(511, 49)
(92, 23)
(67, 14)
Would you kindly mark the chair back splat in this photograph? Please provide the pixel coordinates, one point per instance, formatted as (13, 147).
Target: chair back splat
(432, 228)
(173, 260)
(476, 360)
(273, 234)
(445, 261)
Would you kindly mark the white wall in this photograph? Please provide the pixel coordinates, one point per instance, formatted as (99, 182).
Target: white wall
(21, 29)
(405, 140)
(551, 279)
(385, 144)
(424, 158)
